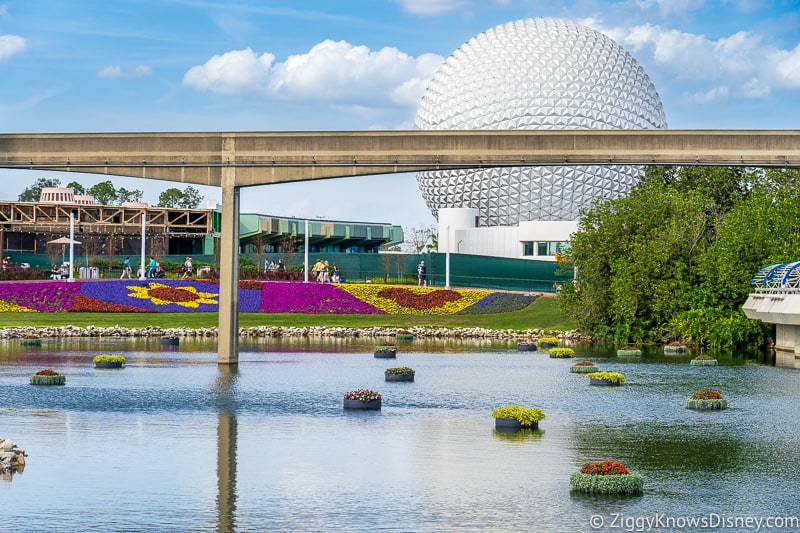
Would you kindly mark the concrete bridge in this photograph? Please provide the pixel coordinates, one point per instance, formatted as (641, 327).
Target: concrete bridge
(232, 160)
(776, 300)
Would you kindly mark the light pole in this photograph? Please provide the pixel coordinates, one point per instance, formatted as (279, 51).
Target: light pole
(144, 216)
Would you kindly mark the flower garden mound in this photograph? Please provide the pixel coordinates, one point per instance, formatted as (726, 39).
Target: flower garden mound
(613, 379)
(386, 351)
(703, 360)
(48, 376)
(109, 361)
(400, 373)
(707, 400)
(561, 353)
(526, 347)
(584, 367)
(547, 342)
(675, 348)
(515, 417)
(363, 399)
(629, 351)
(606, 477)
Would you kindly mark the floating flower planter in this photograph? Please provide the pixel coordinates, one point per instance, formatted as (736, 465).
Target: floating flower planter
(170, 340)
(48, 377)
(629, 351)
(386, 351)
(561, 353)
(703, 360)
(612, 379)
(606, 477)
(707, 400)
(675, 348)
(404, 335)
(526, 347)
(363, 399)
(515, 417)
(30, 340)
(548, 342)
(109, 361)
(401, 373)
(583, 367)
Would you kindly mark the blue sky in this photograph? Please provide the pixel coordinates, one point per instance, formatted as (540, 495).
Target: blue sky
(195, 65)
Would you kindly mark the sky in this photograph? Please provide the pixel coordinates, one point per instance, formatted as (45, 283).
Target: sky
(260, 65)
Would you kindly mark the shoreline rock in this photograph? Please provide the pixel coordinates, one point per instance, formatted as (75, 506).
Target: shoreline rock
(12, 457)
(283, 331)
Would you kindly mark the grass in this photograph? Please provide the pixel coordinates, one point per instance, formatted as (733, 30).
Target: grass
(543, 313)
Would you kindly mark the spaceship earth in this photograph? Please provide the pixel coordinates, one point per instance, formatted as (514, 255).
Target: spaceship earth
(543, 74)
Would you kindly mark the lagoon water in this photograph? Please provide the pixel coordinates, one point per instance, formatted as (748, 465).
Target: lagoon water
(173, 442)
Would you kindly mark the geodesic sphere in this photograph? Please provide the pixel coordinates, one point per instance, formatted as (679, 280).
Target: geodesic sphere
(535, 74)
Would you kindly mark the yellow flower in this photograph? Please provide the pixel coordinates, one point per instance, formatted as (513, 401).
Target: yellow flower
(8, 307)
(161, 294)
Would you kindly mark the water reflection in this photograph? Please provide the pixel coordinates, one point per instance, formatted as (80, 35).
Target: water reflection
(226, 448)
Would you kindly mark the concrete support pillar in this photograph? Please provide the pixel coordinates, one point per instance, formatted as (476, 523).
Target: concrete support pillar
(227, 431)
(228, 344)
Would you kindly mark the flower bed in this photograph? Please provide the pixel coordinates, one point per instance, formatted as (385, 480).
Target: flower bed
(583, 367)
(48, 376)
(707, 400)
(606, 378)
(629, 351)
(516, 417)
(175, 295)
(362, 399)
(400, 373)
(606, 477)
(703, 360)
(526, 347)
(561, 353)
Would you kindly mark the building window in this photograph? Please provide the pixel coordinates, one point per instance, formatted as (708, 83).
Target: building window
(543, 248)
(527, 248)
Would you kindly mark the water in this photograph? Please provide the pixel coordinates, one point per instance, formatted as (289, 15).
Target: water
(173, 442)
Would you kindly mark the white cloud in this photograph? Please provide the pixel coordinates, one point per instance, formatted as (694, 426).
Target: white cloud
(232, 73)
(715, 94)
(671, 7)
(115, 71)
(10, 45)
(335, 72)
(741, 61)
(440, 7)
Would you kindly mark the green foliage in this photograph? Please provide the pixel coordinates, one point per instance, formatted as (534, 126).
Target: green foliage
(561, 353)
(526, 416)
(189, 198)
(104, 193)
(675, 257)
(105, 358)
(632, 483)
(613, 377)
(34, 192)
(77, 188)
(583, 369)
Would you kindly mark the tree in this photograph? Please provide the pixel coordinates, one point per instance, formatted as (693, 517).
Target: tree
(420, 239)
(77, 188)
(189, 198)
(124, 195)
(675, 257)
(104, 193)
(34, 192)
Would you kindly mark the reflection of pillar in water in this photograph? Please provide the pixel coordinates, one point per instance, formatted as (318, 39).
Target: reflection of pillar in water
(226, 451)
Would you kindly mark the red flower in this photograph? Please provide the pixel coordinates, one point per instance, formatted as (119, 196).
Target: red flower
(407, 298)
(604, 468)
(47, 372)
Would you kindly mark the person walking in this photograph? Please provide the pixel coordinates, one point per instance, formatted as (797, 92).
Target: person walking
(126, 268)
(151, 267)
(421, 274)
(187, 269)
